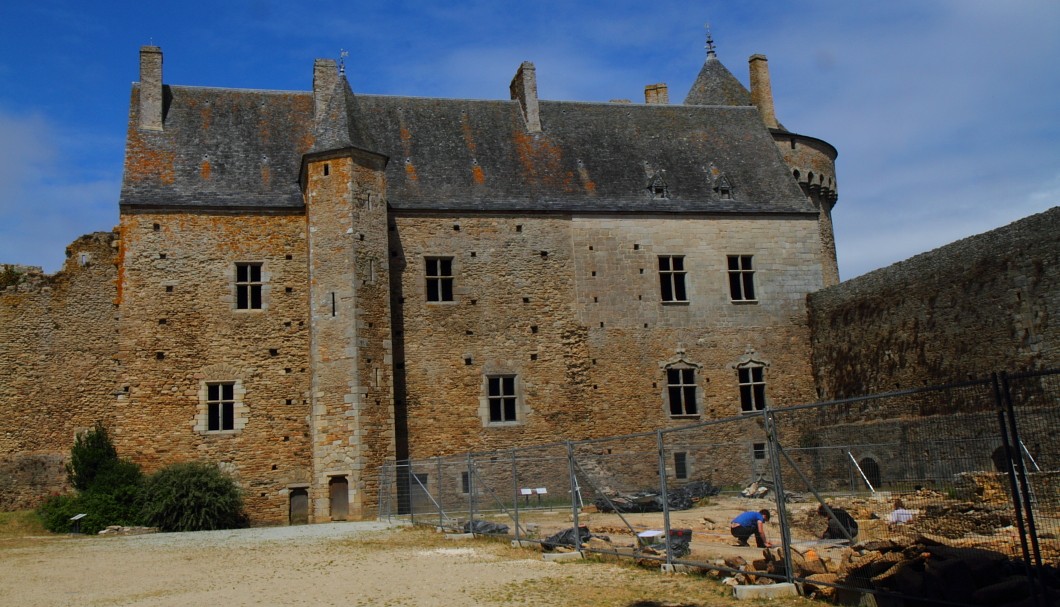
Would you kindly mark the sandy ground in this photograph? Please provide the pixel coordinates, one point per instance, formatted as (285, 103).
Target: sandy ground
(357, 564)
(371, 563)
(330, 564)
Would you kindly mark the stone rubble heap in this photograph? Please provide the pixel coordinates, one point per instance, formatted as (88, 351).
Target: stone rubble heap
(928, 566)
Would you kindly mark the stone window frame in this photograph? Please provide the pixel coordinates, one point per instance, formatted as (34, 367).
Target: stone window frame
(673, 280)
(752, 389)
(681, 465)
(486, 398)
(759, 453)
(680, 362)
(741, 278)
(240, 411)
(259, 286)
(440, 279)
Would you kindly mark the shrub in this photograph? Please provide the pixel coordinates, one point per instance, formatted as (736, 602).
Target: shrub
(9, 276)
(192, 496)
(56, 511)
(108, 488)
(100, 510)
(92, 451)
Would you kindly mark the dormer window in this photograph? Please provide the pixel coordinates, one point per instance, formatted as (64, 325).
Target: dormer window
(658, 187)
(723, 187)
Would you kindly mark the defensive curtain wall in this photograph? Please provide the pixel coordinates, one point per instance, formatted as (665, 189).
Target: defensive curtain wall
(57, 346)
(982, 304)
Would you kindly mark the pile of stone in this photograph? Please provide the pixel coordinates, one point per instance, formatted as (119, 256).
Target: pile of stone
(677, 498)
(928, 567)
(762, 488)
(120, 530)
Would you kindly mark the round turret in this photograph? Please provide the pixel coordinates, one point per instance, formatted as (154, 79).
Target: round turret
(812, 163)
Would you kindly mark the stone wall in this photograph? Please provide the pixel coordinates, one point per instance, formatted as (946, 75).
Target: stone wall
(180, 329)
(57, 350)
(986, 303)
(572, 307)
(352, 394)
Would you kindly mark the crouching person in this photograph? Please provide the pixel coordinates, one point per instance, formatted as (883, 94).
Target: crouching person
(751, 523)
(841, 525)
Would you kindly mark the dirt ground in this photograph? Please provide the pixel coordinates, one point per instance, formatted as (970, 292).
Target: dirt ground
(358, 564)
(709, 522)
(364, 564)
(712, 541)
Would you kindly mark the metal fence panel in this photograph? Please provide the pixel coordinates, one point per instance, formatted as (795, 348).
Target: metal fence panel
(937, 480)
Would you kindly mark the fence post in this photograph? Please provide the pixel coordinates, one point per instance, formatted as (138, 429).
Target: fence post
(665, 498)
(1021, 469)
(1017, 474)
(1009, 470)
(441, 517)
(575, 496)
(411, 478)
(515, 496)
(778, 486)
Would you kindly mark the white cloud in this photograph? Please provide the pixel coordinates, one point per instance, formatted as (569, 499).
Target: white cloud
(46, 202)
(944, 113)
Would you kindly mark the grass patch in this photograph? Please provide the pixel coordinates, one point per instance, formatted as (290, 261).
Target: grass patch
(20, 524)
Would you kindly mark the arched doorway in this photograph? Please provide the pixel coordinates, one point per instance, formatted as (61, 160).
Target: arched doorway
(339, 492)
(871, 470)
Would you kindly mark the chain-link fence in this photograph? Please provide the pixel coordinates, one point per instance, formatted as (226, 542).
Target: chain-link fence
(949, 494)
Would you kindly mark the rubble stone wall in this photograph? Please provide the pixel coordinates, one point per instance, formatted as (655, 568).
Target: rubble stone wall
(180, 329)
(57, 351)
(982, 304)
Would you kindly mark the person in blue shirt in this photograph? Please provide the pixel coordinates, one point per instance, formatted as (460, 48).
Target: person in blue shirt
(751, 523)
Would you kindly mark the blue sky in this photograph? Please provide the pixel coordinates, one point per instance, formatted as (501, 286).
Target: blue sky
(946, 114)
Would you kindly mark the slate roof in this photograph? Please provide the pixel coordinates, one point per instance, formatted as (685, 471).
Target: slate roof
(715, 85)
(219, 148)
(340, 127)
(225, 148)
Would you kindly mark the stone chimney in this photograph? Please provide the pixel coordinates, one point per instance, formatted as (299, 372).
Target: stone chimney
(524, 90)
(325, 76)
(761, 91)
(151, 100)
(656, 94)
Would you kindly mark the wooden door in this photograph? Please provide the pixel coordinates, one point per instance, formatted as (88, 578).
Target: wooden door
(339, 490)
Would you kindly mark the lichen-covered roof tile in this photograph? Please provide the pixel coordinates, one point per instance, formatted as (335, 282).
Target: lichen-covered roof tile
(219, 147)
(244, 149)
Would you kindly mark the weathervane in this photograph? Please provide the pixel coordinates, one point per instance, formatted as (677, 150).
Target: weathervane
(710, 42)
(343, 53)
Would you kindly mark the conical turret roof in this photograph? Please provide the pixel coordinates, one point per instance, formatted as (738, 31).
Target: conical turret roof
(716, 85)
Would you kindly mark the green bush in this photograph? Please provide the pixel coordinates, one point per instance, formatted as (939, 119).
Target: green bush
(120, 478)
(92, 451)
(56, 511)
(192, 496)
(108, 488)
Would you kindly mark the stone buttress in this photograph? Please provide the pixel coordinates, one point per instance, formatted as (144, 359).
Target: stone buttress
(352, 417)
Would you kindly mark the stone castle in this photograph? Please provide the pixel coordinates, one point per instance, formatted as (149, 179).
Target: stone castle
(306, 284)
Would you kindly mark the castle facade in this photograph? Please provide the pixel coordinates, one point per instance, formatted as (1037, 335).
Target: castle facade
(306, 284)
